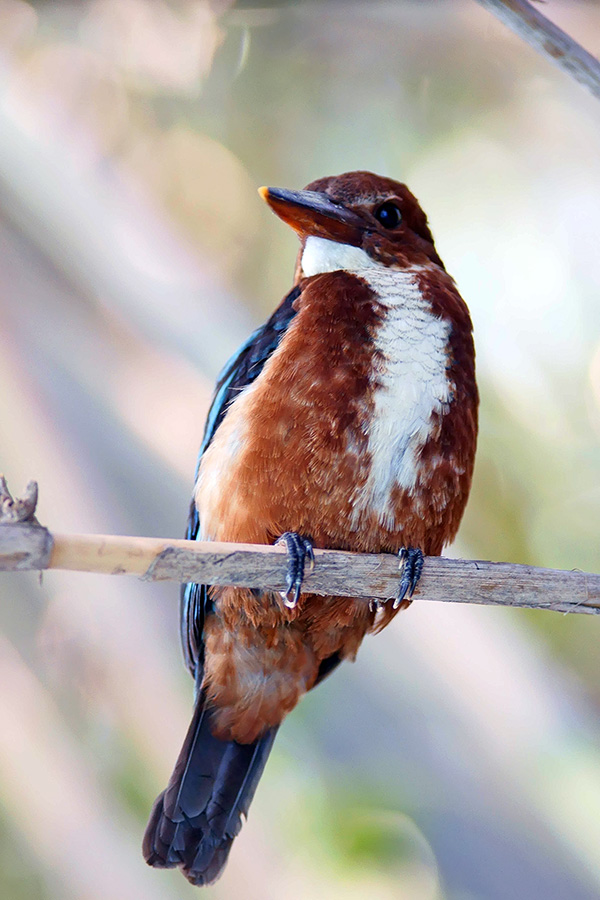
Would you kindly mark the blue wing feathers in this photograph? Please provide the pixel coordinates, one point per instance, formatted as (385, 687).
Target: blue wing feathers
(239, 372)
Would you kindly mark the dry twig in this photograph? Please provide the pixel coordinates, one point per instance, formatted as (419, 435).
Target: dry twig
(25, 544)
(547, 38)
(336, 573)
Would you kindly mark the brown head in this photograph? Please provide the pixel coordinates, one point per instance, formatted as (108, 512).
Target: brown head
(361, 210)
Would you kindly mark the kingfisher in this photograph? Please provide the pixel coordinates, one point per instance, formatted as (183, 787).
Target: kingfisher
(348, 421)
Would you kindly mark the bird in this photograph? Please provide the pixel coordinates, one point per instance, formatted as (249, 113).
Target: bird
(347, 421)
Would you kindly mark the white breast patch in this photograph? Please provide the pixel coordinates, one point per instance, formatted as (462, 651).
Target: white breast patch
(413, 384)
(413, 387)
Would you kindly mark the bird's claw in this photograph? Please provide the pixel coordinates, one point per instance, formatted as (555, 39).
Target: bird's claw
(411, 566)
(299, 550)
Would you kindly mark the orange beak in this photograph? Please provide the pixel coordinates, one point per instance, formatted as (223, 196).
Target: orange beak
(314, 213)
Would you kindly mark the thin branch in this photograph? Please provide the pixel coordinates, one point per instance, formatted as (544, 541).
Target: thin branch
(336, 573)
(550, 40)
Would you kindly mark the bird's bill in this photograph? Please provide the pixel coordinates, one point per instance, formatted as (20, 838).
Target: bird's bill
(314, 213)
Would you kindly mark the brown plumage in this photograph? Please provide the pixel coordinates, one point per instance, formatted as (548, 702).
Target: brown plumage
(356, 430)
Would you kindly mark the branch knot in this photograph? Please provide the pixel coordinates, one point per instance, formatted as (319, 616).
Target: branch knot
(18, 509)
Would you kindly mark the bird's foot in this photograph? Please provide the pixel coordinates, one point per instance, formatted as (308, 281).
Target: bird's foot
(411, 566)
(299, 550)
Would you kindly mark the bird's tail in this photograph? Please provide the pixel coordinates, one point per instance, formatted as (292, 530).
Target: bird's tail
(194, 821)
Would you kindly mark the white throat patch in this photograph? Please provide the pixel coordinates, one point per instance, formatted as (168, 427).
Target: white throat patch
(321, 255)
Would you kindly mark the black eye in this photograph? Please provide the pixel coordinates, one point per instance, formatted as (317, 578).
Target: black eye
(388, 214)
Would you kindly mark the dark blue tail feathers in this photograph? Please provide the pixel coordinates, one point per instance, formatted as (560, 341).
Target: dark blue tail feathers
(194, 821)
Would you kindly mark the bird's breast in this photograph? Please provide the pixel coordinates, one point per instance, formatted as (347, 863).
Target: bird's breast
(334, 431)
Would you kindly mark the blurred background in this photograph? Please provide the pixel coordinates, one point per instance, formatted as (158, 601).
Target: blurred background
(459, 758)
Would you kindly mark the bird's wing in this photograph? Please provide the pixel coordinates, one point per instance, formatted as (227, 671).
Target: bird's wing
(241, 370)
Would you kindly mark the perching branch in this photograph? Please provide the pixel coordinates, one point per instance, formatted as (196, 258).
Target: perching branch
(363, 575)
(550, 40)
(25, 544)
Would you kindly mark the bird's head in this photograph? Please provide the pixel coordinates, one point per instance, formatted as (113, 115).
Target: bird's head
(354, 220)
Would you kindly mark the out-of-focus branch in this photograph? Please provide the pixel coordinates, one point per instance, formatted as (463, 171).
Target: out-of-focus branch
(336, 573)
(550, 40)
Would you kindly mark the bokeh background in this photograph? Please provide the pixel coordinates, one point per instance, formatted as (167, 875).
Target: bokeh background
(459, 758)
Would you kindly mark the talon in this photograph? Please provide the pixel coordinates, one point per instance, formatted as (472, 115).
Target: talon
(299, 550)
(310, 554)
(411, 562)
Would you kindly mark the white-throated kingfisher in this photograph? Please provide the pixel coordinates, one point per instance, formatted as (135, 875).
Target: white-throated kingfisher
(348, 421)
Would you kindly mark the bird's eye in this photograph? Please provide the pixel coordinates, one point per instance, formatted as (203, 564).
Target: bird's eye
(388, 214)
